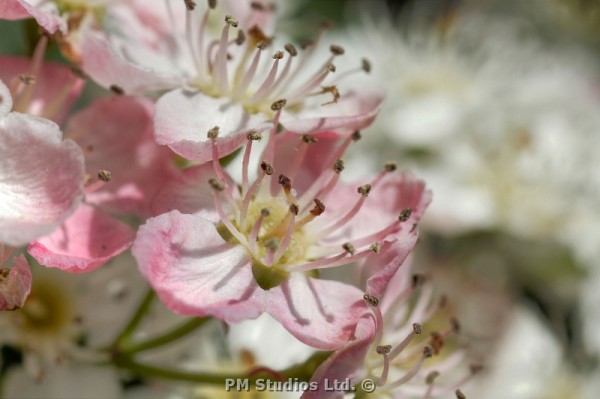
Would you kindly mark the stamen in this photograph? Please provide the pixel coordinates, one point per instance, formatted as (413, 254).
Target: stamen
(266, 86)
(459, 394)
(118, 90)
(286, 70)
(336, 50)
(371, 300)
(334, 261)
(317, 210)
(212, 4)
(21, 103)
(430, 381)
(375, 247)
(390, 166)
(227, 223)
(266, 169)
(220, 72)
(427, 353)
(190, 5)
(249, 75)
(286, 183)
(348, 247)
(333, 91)
(104, 175)
(366, 65)
(384, 350)
(405, 214)
(256, 228)
(253, 135)
(288, 234)
(214, 183)
(364, 193)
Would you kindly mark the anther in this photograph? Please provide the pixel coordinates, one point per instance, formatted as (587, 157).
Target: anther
(231, 21)
(333, 91)
(27, 79)
(336, 50)
(308, 139)
(427, 351)
(338, 166)
(278, 105)
(349, 248)
(291, 49)
(430, 379)
(265, 212)
(364, 190)
(390, 166)
(417, 329)
(436, 341)
(475, 368)
(417, 280)
(285, 182)
(371, 300)
(405, 214)
(366, 65)
(383, 349)
(294, 209)
(306, 44)
(254, 135)
(455, 324)
(263, 44)
(267, 168)
(241, 38)
(258, 36)
(258, 6)
(278, 55)
(215, 184)
(318, 209)
(190, 4)
(356, 135)
(104, 175)
(459, 394)
(375, 247)
(212, 4)
(118, 90)
(331, 67)
(213, 133)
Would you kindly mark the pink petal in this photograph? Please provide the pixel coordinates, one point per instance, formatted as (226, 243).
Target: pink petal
(41, 180)
(194, 271)
(51, 82)
(107, 67)
(189, 193)
(84, 242)
(183, 119)
(320, 313)
(45, 15)
(15, 287)
(117, 134)
(343, 363)
(352, 112)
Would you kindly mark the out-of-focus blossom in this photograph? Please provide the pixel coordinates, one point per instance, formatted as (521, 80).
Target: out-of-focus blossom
(239, 253)
(228, 78)
(15, 283)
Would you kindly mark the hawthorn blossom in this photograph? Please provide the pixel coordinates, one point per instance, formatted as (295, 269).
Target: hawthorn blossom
(15, 283)
(226, 80)
(243, 251)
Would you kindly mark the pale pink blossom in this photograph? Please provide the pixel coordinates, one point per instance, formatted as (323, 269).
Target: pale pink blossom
(259, 248)
(45, 12)
(226, 79)
(15, 283)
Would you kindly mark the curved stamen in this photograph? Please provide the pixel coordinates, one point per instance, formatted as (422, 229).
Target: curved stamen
(427, 353)
(263, 90)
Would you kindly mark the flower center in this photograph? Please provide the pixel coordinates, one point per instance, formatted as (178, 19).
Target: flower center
(47, 310)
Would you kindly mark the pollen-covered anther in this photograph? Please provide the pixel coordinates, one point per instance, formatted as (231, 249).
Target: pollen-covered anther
(336, 50)
(285, 182)
(333, 91)
(267, 168)
(364, 190)
(356, 135)
(278, 105)
(459, 394)
(318, 209)
(215, 184)
(294, 209)
(212, 4)
(254, 135)
(436, 341)
(375, 247)
(291, 49)
(405, 214)
(27, 79)
(390, 166)
(417, 328)
(231, 21)
(118, 90)
(338, 166)
(417, 280)
(366, 65)
(104, 175)
(213, 133)
(383, 349)
(348, 247)
(371, 299)
(264, 212)
(430, 378)
(427, 351)
(278, 55)
(190, 5)
(308, 139)
(331, 67)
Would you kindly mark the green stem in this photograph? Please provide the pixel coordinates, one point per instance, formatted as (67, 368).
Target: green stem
(166, 338)
(137, 318)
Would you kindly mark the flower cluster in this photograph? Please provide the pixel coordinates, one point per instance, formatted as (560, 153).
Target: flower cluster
(144, 168)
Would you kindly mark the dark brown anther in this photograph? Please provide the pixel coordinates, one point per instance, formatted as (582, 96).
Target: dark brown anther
(375, 247)
(336, 50)
(356, 135)
(118, 90)
(427, 351)
(366, 65)
(436, 341)
(455, 324)
(417, 329)
(306, 44)
(348, 247)
(417, 280)
(278, 105)
(213, 133)
(267, 168)
(383, 349)
(318, 209)
(104, 175)
(258, 36)
(231, 21)
(294, 209)
(241, 38)
(257, 6)
(254, 135)
(278, 55)
(390, 166)
(331, 68)
(190, 5)
(405, 214)
(291, 49)
(265, 212)
(212, 4)
(364, 190)
(338, 166)
(308, 139)
(371, 300)
(27, 79)
(263, 44)
(285, 182)
(215, 184)
(430, 379)
(334, 93)
(459, 394)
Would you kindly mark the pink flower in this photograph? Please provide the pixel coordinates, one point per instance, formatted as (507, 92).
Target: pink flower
(227, 80)
(15, 284)
(259, 248)
(388, 354)
(45, 13)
